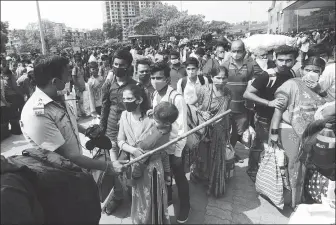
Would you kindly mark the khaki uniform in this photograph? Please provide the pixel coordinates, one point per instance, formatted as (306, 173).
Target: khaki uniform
(48, 124)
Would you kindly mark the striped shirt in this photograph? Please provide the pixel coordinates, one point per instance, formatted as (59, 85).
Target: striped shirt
(237, 82)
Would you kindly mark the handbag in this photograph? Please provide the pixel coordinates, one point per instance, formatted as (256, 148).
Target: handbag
(269, 180)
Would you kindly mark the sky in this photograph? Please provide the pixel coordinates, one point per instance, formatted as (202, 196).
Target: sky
(88, 14)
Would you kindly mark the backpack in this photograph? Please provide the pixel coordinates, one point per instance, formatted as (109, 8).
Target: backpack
(67, 194)
(193, 120)
(184, 81)
(19, 203)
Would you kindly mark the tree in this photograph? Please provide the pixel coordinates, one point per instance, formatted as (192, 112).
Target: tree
(112, 30)
(97, 35)
(190, 26)
(151, 19)
(4, 35)
(218, 26)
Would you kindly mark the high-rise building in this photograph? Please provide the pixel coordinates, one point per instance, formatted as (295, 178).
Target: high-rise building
(59, 30)
(123, 12)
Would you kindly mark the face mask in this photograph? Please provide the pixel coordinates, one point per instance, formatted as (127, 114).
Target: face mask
(311, 76)
(158, 85)
(174, 61)
(131, 106)
(62, 88)
(237, 56)
(120, 72)
(220, 55)
(262, 63)
(144, 77)
(218, 83)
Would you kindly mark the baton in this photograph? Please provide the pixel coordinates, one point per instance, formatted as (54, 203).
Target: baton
(186, 134)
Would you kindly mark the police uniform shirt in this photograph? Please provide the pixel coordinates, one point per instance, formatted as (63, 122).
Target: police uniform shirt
(49, 125)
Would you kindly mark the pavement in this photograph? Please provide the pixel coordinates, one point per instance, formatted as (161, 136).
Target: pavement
(240, 205)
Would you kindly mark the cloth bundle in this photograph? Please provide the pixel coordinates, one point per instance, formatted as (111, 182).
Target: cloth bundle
(267, 42)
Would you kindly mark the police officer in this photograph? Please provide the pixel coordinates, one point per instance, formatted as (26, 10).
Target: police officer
(49, 122)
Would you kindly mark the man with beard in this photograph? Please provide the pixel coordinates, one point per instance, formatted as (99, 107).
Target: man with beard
(160, 79)
(240, 72)
(143, 71)
(177, 70)
(262, 93)
(112, 107)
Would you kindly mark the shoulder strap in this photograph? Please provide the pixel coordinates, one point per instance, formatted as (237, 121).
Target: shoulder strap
(293, 73)
(183, 83)
(201, 79)
(172, 99)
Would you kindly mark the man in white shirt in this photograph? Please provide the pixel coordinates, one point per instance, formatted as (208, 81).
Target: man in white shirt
(190, 86)
(304, 47)
(160, 79)
(327, 83)
(93, 57)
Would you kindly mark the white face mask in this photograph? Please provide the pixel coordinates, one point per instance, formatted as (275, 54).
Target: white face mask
(174, 61)
(311, 76)
(262, 63)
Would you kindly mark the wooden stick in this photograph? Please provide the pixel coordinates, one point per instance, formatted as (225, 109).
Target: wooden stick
(162, 147)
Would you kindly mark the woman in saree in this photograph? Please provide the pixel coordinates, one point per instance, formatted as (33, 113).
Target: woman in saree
(149, 195)
(289, 123)
(210, 166)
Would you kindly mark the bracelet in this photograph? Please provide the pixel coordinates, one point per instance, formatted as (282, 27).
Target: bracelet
(274, 131)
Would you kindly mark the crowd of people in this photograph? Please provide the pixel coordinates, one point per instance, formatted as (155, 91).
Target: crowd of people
(145, 97)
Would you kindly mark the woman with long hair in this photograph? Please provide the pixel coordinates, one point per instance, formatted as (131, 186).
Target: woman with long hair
(210, 164)
(300, 105)
(149, 195)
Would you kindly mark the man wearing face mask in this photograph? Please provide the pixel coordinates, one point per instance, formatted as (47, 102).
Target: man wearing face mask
(261, 91)
(177, 70)
(240, 72)
(48, 121)
(214, 63)
(160, 79)
(143, 71)
(112, 107)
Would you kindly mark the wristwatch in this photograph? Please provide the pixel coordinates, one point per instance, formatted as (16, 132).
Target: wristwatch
(274, 131)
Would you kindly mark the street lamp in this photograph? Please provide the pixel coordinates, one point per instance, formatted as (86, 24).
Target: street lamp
(250, 2)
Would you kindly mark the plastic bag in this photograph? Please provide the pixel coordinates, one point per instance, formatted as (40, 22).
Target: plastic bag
(248, 137)
(230, 152)
(269, 180)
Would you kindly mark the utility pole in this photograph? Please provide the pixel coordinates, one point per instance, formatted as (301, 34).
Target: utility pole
(297, 21)
(41, 29)
(250, 2)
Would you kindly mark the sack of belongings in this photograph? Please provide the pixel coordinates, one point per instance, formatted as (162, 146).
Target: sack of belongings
(66, 193)
(267, 42)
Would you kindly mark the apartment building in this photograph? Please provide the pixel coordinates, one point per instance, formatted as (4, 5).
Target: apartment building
(59, 30)
(123, 12)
